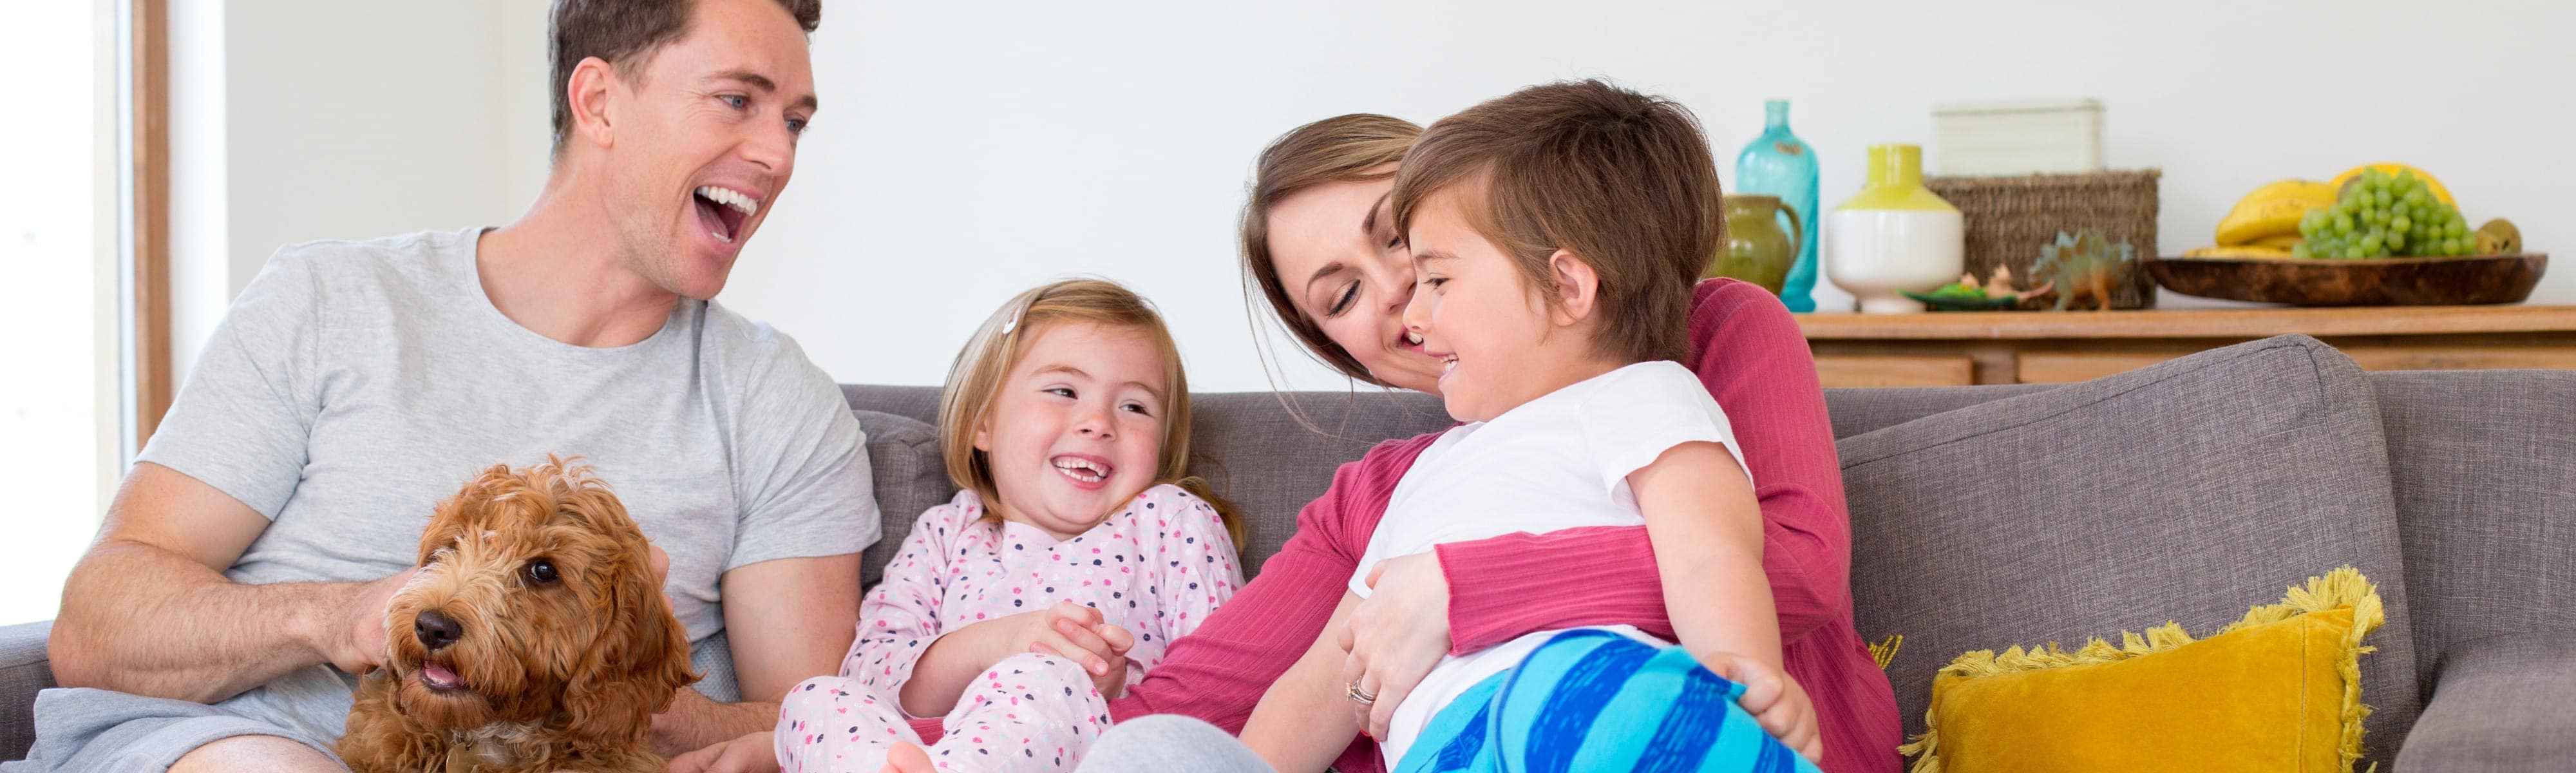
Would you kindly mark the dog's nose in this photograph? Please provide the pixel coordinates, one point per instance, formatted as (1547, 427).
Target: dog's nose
(435, 630)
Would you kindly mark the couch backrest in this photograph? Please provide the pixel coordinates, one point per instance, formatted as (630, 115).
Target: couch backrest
(1857, 410)
(2483, 465)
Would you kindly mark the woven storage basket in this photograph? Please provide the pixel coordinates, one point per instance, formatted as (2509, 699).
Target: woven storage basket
(2010, 218)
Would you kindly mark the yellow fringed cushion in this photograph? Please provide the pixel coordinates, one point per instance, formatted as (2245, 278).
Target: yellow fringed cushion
(2277, 691)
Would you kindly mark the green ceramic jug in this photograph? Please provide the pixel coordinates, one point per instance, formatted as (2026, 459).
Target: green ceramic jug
(1756, 251)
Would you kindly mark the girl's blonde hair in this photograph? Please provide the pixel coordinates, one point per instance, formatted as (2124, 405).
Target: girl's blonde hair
(966, 403)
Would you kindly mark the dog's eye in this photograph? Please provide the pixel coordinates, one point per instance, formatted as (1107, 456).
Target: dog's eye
(540, 572)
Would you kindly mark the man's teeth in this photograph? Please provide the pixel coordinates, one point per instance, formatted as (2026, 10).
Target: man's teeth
(1080, 470)
(728, 197)
(1413, 338)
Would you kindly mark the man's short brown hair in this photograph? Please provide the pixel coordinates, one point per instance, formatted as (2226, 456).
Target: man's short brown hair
(1620, 179)
(625, 33)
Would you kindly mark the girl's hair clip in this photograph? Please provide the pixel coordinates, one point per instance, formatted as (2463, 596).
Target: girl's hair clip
(1011, 324)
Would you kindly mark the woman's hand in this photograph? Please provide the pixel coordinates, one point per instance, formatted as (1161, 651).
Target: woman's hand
(750, 753)
(1775, 700)
(1396, 635)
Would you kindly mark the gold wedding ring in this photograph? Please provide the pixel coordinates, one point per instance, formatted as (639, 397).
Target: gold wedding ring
(1357, 695)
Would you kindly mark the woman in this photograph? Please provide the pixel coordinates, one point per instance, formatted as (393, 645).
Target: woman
(1320, 245)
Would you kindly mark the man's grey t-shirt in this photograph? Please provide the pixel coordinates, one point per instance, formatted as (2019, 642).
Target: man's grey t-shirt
(354, 385)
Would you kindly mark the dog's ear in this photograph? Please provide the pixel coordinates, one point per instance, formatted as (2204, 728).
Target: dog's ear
(639, 663)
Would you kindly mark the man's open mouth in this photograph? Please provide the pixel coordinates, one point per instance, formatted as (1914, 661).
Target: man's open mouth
(439, 678)
(723, 210)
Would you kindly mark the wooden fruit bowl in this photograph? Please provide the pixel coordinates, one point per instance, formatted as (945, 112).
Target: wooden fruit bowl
(2473, 279)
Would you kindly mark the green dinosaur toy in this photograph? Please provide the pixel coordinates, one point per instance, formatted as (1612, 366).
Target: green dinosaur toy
(2085, 264)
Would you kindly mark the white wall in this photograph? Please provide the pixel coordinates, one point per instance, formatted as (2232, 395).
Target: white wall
(968, 150)
(297, 120)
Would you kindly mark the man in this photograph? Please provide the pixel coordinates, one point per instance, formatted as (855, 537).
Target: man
(247, 559)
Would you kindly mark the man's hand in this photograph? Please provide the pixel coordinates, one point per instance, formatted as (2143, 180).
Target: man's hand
(695, 720)
(357, 640)
(749, 753)
(1775, 700)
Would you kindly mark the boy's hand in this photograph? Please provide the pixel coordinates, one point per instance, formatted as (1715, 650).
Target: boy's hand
(1775, 700)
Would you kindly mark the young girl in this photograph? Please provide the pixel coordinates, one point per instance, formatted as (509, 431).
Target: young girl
(1555, 234)
(1071, 557)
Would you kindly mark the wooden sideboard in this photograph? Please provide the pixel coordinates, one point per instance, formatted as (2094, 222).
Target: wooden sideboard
(2007, 347)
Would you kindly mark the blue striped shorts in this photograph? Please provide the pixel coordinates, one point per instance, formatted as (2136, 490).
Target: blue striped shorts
(1595, 700)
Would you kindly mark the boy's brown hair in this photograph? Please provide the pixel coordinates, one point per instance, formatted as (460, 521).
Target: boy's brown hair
(1620, 179)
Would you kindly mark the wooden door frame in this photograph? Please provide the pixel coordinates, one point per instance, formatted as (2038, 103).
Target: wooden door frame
(150, 368)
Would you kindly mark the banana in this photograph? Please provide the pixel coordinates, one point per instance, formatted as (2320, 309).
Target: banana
(2430, 182)
(2282, 242)
(2243, 251)
(2273, 211)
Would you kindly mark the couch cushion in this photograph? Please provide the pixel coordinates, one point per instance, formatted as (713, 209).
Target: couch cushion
(903, 454)
(2274, 692)
(24, 671)
(2506, 703)
(918, 403)
(1255, 452)
(2483, 465)
(2172, 492)
(1862, 409)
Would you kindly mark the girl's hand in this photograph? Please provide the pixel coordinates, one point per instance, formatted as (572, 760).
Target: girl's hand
(1775, 700)
(1078, 633)
(750, 753)
(1396, 635)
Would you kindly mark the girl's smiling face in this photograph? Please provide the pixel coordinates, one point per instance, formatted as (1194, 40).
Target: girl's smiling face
(1077, 428)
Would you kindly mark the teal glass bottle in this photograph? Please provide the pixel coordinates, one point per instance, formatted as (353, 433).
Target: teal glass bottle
(1780, 164)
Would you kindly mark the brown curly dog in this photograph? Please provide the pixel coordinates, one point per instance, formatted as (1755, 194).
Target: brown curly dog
(534, 638)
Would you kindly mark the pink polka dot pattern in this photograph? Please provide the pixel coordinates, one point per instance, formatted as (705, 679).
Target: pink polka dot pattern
(1157, 567)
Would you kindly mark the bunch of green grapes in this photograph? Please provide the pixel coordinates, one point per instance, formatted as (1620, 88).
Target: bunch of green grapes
(2381, 215)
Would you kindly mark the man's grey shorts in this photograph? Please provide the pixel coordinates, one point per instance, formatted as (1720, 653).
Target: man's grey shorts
(102, 731)
(99, 730)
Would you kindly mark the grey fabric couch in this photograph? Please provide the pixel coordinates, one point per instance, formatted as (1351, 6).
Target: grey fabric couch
(1984, 517)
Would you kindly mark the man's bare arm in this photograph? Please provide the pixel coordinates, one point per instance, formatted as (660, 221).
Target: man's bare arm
(149, 611)
(786, 621)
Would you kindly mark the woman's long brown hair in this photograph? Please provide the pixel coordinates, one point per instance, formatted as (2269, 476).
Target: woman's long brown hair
(1358, 147)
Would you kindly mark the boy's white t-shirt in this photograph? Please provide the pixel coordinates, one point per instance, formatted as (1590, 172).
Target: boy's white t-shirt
(1557, 462)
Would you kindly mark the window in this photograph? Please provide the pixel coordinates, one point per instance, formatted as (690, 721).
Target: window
(62, 398)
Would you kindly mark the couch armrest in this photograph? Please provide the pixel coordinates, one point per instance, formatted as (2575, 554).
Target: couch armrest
(2502, 703)
(23, 671)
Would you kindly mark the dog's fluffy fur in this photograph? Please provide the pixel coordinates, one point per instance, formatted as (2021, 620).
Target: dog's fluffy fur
(561, 669)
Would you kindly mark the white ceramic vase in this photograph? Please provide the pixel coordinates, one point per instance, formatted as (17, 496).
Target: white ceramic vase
(1894, 236)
